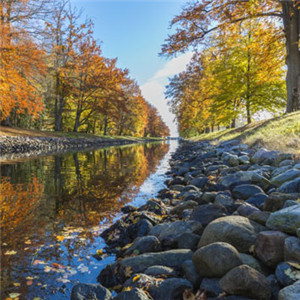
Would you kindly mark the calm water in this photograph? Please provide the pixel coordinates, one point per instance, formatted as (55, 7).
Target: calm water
(54, 208)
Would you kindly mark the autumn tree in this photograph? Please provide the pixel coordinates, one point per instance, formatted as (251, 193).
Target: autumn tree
(199, 20)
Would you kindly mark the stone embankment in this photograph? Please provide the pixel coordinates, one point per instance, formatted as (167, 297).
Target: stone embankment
(227, 227)
(20, 145)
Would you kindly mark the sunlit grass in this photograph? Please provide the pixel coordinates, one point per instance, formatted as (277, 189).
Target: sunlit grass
(281, 133)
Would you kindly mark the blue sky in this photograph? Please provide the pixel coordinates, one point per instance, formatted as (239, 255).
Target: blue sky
(133, 31)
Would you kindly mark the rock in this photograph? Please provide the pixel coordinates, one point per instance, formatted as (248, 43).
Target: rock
(260, 217)
(292, 249)
(199, 182)
(289, 203)
(244, 177)
(223, 199)
(209, 197)
(292, 186)
(182, 171)
(238, 231)
(171, 258)
(204, 214)
(245, 281)
(134, 294)
(265, 156)
(157, 271)
(144, 244)
(172, 289)
(246, 209)
(143, 227)
(287, 273)
(190, 273)
(291, 292)
(284, 177)
(216, 259)
(286, 219)
(188, 241)
(275, 287)
(269, 247)
(154, 206)
(83, 291)
(250, 261)
(275, 201)
(178, 209)
(175, 229)
(142, 281)
(118, 233)
(128, 209)
(245, 191)
(211, 286)
(257, 200)
(244, 159)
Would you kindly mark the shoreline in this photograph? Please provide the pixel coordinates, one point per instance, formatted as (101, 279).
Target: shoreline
(222, 218)
(12, 147)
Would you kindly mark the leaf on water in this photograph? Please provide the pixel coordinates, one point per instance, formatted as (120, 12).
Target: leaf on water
(37, 298)
(38, 262)
(4, 244)
(14, 295)
(82, 268)
(99, 252)
(10, 252)
(28, 242)
(63, 280)
(29, 282)
(60, 237)
(58, 266)
(47, 269)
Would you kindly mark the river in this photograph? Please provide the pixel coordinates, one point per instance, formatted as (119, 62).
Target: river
(53, 209)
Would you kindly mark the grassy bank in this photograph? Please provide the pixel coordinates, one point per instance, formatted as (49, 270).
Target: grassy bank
(281, 133)
(11, 131)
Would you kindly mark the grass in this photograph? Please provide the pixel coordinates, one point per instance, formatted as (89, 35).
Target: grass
(13, 131)
(280, 133)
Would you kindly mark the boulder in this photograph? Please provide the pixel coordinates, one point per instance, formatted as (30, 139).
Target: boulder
(285, 176)
(286, 219)
(175, 229)
(275, 287)
(188, 241)
(287, 273)
(246, 209)
(257, 200)
(178, 209)
(204, 214)
(144, 244)
(291, 292)
(269, 247)
(83, 291)
(292, 249)
(216, 259)
(157, 271)
(172, 289)
(223, 199)
(265, 156)
(292, 186)
(238, 231)
(245, 191)
(245, 281)
(190, 273)
(199, 182)
(275, 201)
(134, 294)
(260, 217)
(211, 286)
(250, 261)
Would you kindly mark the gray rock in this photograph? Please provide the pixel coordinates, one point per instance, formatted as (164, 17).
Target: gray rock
(244, 176)
(260, 217)
(134, 294)
(280, 170)
(292, 186)
(188, 241)
(269, 247)
(190, 273)
(246, 281)
(211, 286)
(275, 287)
(83, 291)
(175, 229)
(289, 203)
(291, 292)
(245, 191)
(144, 244)
(172, 289)
(244, 159)
(286, 219)
(160, 270)
(250, 261)
(204, 214)
(216, 259)
(297, 166)
(257, 200)
(286, 162)
(223, 200)
(265, 156)
(292, 249)
(178, 209)
(235, 230)
(209, 197)
(284, 177)
(171, 258)
(246, 209)
(199, 182)
(287, 273)
(275, 201)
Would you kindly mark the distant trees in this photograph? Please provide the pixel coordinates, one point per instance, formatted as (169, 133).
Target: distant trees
(54, 76)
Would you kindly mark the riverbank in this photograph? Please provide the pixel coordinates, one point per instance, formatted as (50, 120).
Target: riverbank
(19, 142)
(226, 227)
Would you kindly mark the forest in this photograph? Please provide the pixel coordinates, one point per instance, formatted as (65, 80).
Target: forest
(245, 65)
(53, 75)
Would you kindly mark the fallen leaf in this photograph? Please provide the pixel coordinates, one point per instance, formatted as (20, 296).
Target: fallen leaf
(29, 278)
(29, 282)
(14, 295)
(128, 271)
(63, 280)
(28, 242)
(10, 252)
(16, 284)
(127, 288)
(136, 278)
(37, 298)
(99, 252)
(38, 262)
(60, 237)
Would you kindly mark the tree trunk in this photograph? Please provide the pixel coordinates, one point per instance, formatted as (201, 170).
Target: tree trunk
(77, 119)
(233, 123)
(105, 125)
(291, 21)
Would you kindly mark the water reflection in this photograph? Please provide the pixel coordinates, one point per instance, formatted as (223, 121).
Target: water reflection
(52, 210)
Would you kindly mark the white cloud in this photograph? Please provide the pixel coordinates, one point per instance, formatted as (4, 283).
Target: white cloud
(154, 88)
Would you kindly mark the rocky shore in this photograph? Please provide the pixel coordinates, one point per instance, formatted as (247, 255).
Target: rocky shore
(11, 146)
(227, 227)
